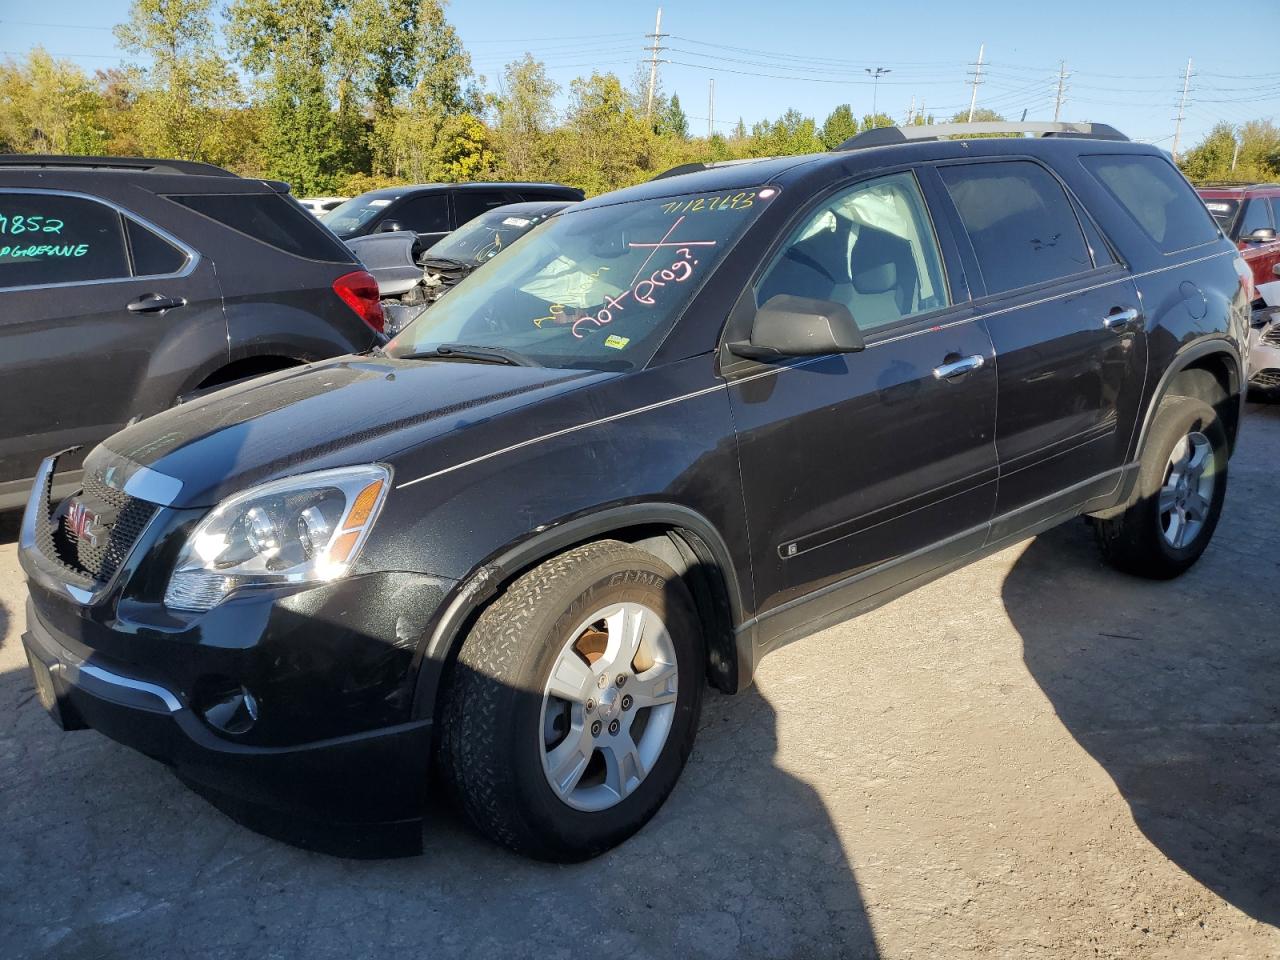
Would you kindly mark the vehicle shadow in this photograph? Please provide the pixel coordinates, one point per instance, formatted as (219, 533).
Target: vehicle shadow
(10, 521)
(742, 861)
(1171, 686)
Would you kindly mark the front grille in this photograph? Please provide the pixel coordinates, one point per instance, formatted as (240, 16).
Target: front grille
(119, 520)
(1267, 379)
(1271, 336)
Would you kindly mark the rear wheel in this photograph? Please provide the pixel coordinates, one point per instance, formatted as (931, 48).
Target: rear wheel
(574, 702)
(1182, 484)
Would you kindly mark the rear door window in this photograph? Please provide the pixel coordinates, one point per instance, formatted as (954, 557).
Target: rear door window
(272, 219)
(1157, 196)
(1020, 222)
(469, 204)
(49, 238)
(428, 213)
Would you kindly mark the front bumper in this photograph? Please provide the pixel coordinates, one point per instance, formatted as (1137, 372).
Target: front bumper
(375, 780)
(1264, 357)
(291, 709)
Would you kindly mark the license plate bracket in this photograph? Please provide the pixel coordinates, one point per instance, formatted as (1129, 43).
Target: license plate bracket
(46, 689)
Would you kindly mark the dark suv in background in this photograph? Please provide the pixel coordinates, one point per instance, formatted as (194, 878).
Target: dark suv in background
(432, 210)
(127, 285)
(671, 429)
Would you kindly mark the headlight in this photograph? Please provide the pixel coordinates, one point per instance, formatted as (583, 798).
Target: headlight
(303, 529)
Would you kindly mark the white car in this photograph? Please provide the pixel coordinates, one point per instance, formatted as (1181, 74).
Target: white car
(322, 205)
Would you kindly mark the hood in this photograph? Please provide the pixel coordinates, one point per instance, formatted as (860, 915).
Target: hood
(335, 413)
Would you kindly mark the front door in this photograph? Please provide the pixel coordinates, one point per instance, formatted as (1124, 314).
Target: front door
(854, 465)
(86, 297)
(1066, 323)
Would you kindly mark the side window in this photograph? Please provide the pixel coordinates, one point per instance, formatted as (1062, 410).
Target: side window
(153, 256)
(1157, 197)
(469, 204)
(272, 219)
(1256, 217)
(1020, 223)
(425, 214)
(46, 238)
(871, 248)
(1275, 209)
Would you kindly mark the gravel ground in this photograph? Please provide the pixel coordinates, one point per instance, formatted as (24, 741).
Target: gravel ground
(1032, 757)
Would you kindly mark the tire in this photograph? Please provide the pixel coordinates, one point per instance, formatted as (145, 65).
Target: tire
(1147, 541)
(500, 717)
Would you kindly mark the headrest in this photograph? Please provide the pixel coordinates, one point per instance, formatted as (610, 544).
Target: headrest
(876, 259)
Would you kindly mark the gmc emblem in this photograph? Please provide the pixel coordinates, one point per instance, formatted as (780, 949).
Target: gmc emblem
(83, 522)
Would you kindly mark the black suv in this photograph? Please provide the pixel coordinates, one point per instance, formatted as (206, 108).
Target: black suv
(127, 285)
(432, 210)
(675, 427)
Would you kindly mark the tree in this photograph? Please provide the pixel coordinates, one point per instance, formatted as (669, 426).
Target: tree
(1258, 157)
(673, 122)
(604, 144)
(526, 115)
(792, 133)
(739, 130)
(289, 45)
(871, 121)
(839, 126)
(49, 106)
(186, 94)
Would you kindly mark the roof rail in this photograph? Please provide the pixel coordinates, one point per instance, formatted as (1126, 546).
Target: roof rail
(137, 164)
(1238, 183)
(885, 136)
(709, 165)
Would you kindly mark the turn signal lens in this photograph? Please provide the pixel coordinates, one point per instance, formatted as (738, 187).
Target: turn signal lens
(366, 500)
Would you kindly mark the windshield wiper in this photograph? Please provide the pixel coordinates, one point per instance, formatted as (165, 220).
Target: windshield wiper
(468, 351)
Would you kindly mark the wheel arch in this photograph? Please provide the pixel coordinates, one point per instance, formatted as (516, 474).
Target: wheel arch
(1220, 359)
(678, 535)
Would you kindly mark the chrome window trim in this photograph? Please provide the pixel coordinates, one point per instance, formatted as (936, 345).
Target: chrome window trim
(193, 255)
(772, 371)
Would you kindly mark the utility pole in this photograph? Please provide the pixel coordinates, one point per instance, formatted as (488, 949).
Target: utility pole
(1182, 110)
(977, 79)
(1235, 153)
(1062, 79)
(876, 74)
(711, 107)
(911, 109)
(657, 36)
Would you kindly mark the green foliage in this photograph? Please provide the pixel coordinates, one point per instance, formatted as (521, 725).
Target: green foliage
(839, 126)
(49, 106)
(673, 122)
(791, 133)
(525, 118)
(1258, 158)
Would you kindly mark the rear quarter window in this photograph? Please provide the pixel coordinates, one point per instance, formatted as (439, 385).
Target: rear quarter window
(51, 238)
(1157, 197)
(271, 219)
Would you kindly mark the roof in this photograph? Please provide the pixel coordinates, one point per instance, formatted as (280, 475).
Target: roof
(393, 193)
(124, 164)
(1228, 189)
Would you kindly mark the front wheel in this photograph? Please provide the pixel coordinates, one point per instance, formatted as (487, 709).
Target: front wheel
(574, 703)
(1182, 483)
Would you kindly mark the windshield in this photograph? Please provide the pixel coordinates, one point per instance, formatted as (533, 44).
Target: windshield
(597, 288)
(485, 236)
(1224, 211)
(353, 214)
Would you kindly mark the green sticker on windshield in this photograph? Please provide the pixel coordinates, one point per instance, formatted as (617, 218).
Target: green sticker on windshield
(615, 341)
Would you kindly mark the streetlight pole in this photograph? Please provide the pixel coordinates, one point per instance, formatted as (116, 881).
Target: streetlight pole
(876, 74)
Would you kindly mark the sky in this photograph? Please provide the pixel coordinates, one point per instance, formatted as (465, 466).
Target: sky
(1125, 60)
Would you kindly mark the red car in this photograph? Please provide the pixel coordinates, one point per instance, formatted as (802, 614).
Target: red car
(1249, 213)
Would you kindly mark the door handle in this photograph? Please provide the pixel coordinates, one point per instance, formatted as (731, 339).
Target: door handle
(958, 368)
(1119, 319)
(154, 303)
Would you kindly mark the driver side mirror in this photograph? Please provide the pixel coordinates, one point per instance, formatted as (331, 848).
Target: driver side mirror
(389, 226)
(787, 326)
(1261, 235)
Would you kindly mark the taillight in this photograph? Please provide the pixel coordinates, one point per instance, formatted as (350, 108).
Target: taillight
(359, 291)
(1246, 278)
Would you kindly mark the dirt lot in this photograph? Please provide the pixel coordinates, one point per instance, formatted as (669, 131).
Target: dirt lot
(1033, 757)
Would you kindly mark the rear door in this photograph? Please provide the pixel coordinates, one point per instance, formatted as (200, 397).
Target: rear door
(426, 214)
(1066, 323)
(854, 464)
(87, 296)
